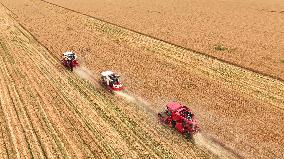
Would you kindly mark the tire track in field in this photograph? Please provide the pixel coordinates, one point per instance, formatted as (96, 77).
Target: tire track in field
(22, 109)
(37, 136)
(9, 114)
(7, 131)
(5, 134)
(251, 82)
(4, 153)
(17, 104)
(47, 126)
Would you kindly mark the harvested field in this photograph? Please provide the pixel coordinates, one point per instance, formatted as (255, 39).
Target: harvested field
(47, 112)
(241, 112)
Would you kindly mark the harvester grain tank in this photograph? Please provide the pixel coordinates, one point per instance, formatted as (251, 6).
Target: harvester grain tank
(181, 118)
(69, 60)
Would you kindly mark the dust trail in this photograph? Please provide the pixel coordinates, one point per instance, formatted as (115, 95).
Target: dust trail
(200, 139)
(136, 100)
(214, 146)
(126, 96)
(86, 74)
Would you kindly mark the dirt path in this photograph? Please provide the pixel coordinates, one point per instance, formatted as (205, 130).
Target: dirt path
(48, 112)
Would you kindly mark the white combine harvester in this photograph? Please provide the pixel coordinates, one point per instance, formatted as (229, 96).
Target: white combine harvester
(69, 60)
(111, 81)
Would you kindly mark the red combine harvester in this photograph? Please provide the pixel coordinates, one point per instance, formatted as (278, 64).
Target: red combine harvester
(69, 60)
(111, 81)
(181, 118)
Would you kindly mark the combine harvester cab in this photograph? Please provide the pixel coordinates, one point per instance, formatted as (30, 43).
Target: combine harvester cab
(181, 118)
(69, 60)
(111, 81)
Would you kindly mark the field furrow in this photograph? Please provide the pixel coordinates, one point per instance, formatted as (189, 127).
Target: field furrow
(6, 146)
(16, 129)
(40, 117)
(23, 120)
(27, 120)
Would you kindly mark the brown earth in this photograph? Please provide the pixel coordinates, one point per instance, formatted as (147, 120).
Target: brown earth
(241, 110)
(250, 32)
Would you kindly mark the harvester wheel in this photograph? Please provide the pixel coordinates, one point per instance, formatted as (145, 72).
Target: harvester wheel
(167, 122)
(188, 135)
(70, 65)
(173, 124)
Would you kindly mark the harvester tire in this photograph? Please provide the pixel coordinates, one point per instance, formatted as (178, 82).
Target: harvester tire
(167, 122)
(173, 124)
(188, 135)
(69, 64)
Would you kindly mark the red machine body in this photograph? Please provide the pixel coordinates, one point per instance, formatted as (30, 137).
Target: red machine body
(181, 118)
(70, 64)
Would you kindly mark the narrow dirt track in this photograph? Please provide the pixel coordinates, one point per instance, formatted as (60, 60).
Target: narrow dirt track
(48, 112)
(235, 107)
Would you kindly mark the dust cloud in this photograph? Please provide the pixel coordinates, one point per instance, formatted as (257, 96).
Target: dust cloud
(214, 147)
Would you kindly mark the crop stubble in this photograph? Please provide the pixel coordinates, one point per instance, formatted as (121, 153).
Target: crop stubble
(49, 112)
(228, 112)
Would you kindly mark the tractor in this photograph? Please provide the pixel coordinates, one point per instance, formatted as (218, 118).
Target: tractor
(181, 118)
(69, 60)
(111, 81)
